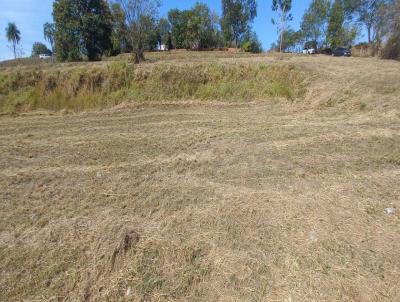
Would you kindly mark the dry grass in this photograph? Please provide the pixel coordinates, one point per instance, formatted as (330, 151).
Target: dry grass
(105, 85)
(189, 201)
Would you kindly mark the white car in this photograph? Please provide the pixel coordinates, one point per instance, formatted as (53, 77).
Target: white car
(309, 51)
(44, 57)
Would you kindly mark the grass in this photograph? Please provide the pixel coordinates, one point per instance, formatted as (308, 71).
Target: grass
(106, 86)
(186, 200)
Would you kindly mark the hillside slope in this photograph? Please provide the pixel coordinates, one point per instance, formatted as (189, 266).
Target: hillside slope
(181, 200)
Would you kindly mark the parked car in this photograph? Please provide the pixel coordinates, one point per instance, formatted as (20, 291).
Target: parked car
(341, 52)
(309, 51)
(44, 56)
(312, 51)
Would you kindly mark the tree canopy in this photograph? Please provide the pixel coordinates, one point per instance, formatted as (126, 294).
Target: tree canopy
(237, 16)
(315, 22)
(93, 28)
(140, 21)
(40, 48)
(196, 28)
(339, 34)
(49, 32)
(82, 27)
(283, 7)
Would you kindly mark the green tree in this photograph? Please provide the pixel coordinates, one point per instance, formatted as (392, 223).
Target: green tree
(39, 48)
(196, 28)
(335, 28)
(49, 32)
(314, 23)
(179, 22)
(67, 40)
(82, 27)
(291, 40)
(202, 27)
(251, 43)
(237, 16)
(96, 28)
(283, 7)
(140, 20)
(339, 34)
(119, 36)
(13, 36)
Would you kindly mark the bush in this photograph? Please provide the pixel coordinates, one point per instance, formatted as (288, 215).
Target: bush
(251, 43)
(392, 48)
(363, 50)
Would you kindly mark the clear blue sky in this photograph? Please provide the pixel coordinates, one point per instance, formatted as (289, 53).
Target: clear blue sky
(30, 15)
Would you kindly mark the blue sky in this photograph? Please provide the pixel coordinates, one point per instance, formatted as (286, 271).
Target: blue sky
(30, 15)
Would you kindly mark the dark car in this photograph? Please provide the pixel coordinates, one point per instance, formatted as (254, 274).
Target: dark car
(341, 52)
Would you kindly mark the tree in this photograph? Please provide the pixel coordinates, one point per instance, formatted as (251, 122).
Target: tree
(291, 40)
(67, 40)
(283, 7)
(14, 36)
(339, 34)
(140, 16)
(367, 11)
(335, 28)
(82, 27)
(237, 16)
(196, 28)
(179, 21)
(119, 37)
(95, 28)
(49, 31)
(251, 43)
(389, 29)
(202, 27)
(39, 48)
(314, 24)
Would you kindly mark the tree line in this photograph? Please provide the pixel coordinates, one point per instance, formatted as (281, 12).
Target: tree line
(330, 24)
(90, 29)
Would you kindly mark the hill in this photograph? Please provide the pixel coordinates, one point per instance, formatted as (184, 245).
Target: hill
(202, 183)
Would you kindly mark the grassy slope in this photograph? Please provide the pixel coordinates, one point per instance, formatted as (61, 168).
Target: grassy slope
(267, 201)
(86, 86)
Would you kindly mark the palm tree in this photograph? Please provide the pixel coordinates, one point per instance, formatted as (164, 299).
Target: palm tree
(14, 36)
(49, 31)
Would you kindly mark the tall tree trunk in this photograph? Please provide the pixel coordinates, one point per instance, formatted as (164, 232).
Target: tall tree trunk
(139, 56)
(236, 41)
(282, 30)
(15, 49)
(369, 33)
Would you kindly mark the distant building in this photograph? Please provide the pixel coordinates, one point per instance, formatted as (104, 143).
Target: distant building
(162, 47)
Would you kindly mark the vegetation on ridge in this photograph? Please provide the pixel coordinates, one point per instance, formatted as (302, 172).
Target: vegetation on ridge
(84, 88)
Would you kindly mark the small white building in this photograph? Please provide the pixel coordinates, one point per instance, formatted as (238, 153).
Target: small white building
(162, 47)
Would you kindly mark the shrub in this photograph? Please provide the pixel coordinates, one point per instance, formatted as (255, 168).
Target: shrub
(251, 43)
(392, 48)
(363, 50)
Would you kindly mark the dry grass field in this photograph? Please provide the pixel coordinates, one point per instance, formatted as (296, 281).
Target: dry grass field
(187, 200)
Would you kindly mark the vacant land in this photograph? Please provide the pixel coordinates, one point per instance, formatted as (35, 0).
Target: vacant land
(281, 199)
